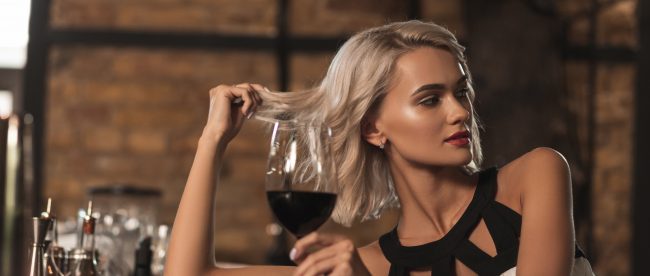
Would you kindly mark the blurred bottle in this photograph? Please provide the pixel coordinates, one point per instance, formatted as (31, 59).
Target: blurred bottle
(161, 241)
(143, 257)
(17, 189)
(83, 259)
(54, 256)
(126, 213)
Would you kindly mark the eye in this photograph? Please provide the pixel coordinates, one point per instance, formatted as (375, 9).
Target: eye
(462, 93)
(431, 100)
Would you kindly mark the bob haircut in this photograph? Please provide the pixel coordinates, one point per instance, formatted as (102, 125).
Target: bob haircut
(357, 80)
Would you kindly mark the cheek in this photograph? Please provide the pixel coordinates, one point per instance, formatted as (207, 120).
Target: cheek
(415, 133)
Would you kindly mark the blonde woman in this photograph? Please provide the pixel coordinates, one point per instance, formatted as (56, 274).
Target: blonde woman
(399, 101)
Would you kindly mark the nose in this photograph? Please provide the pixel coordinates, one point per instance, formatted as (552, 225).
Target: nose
(457, 113)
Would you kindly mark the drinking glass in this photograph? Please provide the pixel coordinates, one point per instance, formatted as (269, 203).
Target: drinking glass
(301, 183)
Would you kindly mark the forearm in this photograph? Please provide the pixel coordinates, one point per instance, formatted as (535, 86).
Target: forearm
(190, 250)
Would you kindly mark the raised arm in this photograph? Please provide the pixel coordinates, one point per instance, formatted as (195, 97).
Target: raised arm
(190, 250)
(547, 233)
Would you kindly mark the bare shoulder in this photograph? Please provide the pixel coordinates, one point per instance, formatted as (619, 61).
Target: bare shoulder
(540, 160)
(531, 171)
(374, 259)
(541, 169)
(547, 226)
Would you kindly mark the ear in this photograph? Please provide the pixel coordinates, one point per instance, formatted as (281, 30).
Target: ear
(370, 132)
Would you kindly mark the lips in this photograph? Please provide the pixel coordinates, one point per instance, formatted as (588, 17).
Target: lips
(460, 138)
(457, 135)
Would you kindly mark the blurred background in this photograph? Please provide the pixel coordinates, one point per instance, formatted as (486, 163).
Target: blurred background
(118, 94)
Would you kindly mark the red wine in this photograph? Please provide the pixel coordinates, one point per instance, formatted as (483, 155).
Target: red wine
(301, 212)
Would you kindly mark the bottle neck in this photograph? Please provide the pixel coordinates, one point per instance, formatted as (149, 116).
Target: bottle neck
(88, 241)
(87, 238)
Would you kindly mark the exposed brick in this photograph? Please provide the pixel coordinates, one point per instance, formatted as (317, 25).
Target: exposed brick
(91, 115)
(82, 13)
(612, 173)
(225, 16)
(617, 25)
(102, 139)
(570, 8)
(253, 140)
(61, 138)
(185, 143)
(147, 142)
(447, 13)
(119, 166)
(578, 31)
(310, 69)
(152, 117)
(341, 17)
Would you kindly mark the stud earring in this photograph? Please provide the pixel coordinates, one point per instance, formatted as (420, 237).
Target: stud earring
(382, 144)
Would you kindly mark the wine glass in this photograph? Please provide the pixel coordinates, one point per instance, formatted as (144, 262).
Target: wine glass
(301, 184)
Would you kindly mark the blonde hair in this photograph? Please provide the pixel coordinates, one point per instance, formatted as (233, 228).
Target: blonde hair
(357, 80)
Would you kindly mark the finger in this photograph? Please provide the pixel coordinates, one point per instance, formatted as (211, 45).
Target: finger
(258, 97)
(248, 100)
(253, 95)
(314, 258)
(256, 89)
(255, 92)
(329, 266)
(344, 269)
(259, 89)
(315, 238)
(339, 247)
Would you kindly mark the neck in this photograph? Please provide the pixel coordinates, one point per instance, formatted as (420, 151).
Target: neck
(432, 199)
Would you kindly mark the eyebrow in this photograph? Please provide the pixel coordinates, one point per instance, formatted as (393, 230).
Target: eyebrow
(436, 86)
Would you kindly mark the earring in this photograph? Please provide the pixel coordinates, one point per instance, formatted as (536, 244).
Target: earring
(382, 144)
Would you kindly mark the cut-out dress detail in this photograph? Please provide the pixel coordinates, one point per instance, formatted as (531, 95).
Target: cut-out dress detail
(503, 223)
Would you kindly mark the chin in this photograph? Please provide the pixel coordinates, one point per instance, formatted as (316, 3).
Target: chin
(464, 159)
(451, 160)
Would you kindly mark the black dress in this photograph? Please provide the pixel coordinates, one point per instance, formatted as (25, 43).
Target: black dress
(504, 226)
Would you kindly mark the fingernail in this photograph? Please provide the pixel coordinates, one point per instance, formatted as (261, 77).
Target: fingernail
(267, 89)
(292, 254)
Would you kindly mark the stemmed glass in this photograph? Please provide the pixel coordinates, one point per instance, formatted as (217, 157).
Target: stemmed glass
(301, 183)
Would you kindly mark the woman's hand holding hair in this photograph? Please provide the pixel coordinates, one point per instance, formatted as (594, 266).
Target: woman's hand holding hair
(229, 107)
(337, 256)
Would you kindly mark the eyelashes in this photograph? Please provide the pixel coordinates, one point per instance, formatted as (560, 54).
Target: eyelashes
(431, 100)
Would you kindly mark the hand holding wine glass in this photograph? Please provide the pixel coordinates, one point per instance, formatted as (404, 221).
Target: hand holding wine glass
(337, 256)
(302, 188)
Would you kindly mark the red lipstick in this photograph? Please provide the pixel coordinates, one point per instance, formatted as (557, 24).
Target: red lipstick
(459, 139)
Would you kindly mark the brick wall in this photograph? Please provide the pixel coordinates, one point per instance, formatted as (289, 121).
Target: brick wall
(613, 122)
(134, 114)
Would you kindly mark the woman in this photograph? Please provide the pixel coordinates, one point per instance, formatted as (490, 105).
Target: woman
(399, 101)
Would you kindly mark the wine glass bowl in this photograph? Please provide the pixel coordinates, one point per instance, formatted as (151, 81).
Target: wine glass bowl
(301, 182)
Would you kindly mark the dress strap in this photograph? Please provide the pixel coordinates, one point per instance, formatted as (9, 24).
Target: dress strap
(440, 253)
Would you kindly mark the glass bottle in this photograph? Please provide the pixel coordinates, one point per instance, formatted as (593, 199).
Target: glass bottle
(54, 256)
(83, 259)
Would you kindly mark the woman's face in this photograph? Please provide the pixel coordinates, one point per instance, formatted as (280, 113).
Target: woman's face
(427, 104)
